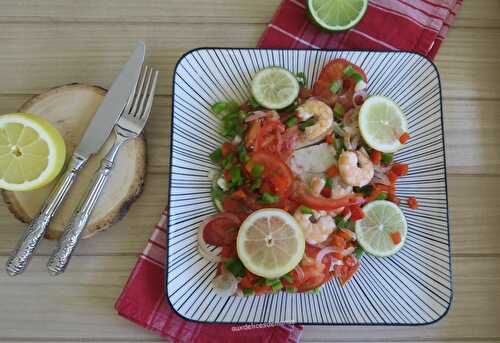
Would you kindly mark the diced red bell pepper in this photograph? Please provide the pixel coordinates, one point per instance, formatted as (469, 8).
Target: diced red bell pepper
(404, 138)
(376, 156)
(412, 203)
(395, 237)
(400, 169)
(356, 213)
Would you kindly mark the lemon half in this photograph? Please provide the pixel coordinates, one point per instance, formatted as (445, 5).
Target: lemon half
(32, 152)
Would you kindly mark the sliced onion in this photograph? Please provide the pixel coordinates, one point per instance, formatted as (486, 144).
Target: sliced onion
(361, 95)
(347, 142)
(382, 169)
(355, 142)
(335, 263)
(338, 130)
(225, 284)
(328, 250)
(300, 273)
(262, 114)
(205, 252)
(381, 178)
(347, 216)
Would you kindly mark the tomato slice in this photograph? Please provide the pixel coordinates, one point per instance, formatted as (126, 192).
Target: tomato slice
(331, 72)
(269, 137)
(326, 204)
(221, 229)
(276, 172)
(248, 281)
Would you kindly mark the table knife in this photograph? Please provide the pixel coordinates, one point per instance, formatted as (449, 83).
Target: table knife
(94, 137)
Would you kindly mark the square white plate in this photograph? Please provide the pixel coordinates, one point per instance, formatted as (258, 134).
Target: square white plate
(412, 287)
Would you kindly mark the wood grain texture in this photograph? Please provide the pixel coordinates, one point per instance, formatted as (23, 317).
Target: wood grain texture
(49, 43)
(79, 305)
(469, 67)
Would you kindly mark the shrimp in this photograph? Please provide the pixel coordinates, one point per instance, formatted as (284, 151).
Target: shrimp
(351, 173)
(316, 227)
(323, 115)
(340, 189)
(317, 185)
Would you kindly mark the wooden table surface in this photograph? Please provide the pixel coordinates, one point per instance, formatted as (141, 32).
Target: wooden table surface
(48, 43)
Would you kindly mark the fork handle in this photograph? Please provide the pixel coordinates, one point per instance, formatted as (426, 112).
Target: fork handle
(73, 231)
(21, 255)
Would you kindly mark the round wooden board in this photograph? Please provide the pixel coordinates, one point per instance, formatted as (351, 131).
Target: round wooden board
(70, 108)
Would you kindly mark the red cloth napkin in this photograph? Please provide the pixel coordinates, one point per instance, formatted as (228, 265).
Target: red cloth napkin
(411, 25)
(387, 25)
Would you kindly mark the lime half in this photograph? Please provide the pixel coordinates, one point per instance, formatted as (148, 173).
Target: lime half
(32, 152)
(382, 231)
(270, 243)
(275, 88)
(382, 122)
(336, 15)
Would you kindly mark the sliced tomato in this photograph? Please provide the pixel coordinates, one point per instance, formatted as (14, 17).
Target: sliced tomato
(237, 207)
(228, 148)
(338, 241)
(248, 281)
(229, 251)
(221, 229)
(276, 172)
(312, 282)
(356, 213)
(252, 133)
(331, 72)
(326, 192)
(326, 204)
(269, 137)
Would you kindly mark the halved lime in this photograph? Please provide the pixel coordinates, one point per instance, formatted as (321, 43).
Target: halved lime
(32, 152)
(336, 15)
(270, 243)
(382, 122)
(275, 88)
(383, 221)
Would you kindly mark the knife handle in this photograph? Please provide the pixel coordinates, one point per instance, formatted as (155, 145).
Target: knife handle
(73, 231)
(26, 246)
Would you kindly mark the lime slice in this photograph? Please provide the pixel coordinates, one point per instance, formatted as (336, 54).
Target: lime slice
(275, 88)
(270, 243)
(382, 122)
(32, 152)
(382, 220)
(336, 15)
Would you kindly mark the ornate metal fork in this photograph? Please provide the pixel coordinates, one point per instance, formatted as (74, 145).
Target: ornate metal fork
(129, 126)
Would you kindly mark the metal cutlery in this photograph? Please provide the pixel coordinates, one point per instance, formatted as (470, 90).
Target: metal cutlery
(130, 125)
(96, 134)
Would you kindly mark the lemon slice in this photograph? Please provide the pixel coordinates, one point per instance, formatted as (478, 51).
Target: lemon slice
(381, 122)
(275, 88)
(375, 232)
(32, 152)
(270, 243)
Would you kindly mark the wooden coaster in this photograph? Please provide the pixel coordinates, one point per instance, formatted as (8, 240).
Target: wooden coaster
(70, 108)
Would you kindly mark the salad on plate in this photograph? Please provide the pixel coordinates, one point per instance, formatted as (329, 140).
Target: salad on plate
(305, 182)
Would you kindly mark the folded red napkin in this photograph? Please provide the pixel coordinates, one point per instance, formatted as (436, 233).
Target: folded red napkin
(411, 25)
(387, 25)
